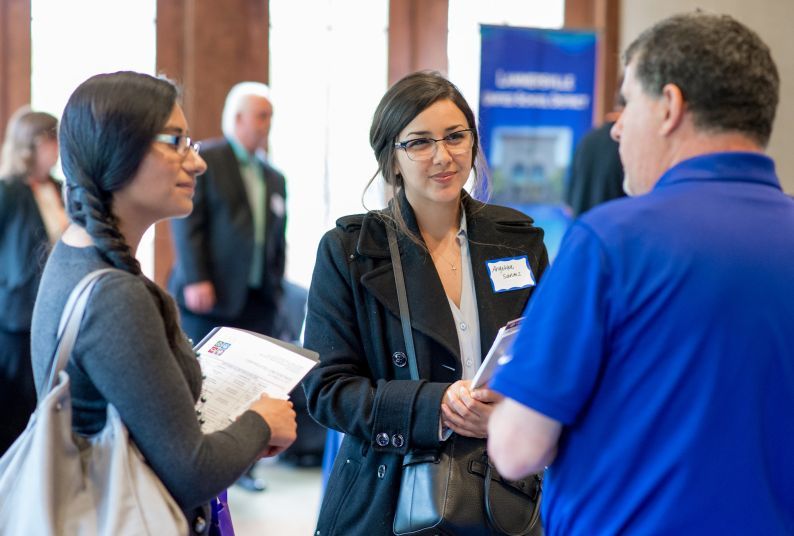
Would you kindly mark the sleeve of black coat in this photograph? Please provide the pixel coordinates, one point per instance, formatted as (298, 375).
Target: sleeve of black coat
(342, 391)
(281, 247)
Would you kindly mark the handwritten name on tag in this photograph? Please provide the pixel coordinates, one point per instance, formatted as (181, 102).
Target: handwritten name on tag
(510, 274)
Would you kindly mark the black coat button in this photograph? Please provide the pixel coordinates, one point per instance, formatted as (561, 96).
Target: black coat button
(381, 471)
(400, 359)
(382, 439)
(397, 440)
(199, 525)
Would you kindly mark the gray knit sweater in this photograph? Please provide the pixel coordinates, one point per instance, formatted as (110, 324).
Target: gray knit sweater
(122, 356)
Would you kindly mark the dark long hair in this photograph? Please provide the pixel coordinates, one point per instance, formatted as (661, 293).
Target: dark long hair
(107, 129)
(406, 99)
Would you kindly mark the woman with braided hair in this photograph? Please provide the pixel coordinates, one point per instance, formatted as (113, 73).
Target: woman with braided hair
(129, 163)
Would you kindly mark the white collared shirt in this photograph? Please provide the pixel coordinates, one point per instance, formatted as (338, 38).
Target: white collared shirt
(466, 317)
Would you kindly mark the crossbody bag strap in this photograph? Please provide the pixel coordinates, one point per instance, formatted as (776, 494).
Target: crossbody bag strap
(69, 325)
(402, 300)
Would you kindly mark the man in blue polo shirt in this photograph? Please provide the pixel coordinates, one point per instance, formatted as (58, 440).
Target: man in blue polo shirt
(654, 374)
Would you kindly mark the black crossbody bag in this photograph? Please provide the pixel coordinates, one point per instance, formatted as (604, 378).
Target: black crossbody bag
(455, 489)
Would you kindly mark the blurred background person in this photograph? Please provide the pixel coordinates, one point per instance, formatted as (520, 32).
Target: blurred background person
(231, 250)
(32, 219)
(596, 173)
(129, 163)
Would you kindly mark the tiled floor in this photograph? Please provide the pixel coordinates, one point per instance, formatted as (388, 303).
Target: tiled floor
(288, 507)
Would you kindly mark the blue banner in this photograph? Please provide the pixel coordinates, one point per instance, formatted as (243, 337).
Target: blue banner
(536, 102)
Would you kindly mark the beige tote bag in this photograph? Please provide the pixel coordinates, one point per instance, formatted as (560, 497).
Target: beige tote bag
(53, 482)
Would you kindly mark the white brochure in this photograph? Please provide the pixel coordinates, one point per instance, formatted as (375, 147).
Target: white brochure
(238, 366)
(499, 354)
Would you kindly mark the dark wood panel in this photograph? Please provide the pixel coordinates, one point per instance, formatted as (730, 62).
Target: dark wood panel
(417, 37)
(14, 58)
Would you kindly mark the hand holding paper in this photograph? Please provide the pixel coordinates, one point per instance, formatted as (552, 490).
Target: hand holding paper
(239, 366)
(280, 418)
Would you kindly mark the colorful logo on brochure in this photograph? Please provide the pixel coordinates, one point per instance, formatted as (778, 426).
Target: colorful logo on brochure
(219, 347)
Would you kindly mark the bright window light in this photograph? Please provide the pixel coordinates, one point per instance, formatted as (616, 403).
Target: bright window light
(327, 75)
(80, 38)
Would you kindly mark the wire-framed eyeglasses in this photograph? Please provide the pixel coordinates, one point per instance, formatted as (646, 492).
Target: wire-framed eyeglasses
(456, 143)
(181, 143)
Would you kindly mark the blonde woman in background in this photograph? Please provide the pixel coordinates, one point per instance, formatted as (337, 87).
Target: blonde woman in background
(32, 218)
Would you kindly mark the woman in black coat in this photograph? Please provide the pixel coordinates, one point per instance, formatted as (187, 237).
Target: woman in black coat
(32, 218)
(425, 139)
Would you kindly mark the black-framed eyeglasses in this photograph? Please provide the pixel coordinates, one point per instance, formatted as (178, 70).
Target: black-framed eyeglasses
(181, 143)
(419, 149)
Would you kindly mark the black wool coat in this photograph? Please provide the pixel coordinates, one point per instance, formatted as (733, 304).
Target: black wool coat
(24, 247)
(362, 386)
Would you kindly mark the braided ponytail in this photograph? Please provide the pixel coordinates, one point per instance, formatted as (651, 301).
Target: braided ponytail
(91, 210)
(106, 130)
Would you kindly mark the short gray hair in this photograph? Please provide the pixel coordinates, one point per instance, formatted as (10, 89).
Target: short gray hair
(234, 102)
(724, 70)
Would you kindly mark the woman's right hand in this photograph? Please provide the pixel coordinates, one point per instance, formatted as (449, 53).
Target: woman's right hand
(280, 417)
(467, 412)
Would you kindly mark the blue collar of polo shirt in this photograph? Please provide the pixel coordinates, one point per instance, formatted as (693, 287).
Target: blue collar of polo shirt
(726, 167)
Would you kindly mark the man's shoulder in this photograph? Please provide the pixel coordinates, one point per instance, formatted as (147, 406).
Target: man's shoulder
(219, 156)
(597, 149)
(214, 146)
(270, 169)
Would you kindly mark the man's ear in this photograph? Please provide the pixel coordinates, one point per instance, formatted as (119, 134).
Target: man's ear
(672, 108)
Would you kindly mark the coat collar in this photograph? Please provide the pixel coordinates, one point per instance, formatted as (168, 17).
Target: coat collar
(428, 306)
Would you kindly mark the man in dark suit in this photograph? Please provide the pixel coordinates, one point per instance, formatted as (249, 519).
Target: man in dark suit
(230, 251)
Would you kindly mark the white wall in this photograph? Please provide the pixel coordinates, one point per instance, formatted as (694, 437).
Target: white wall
(771, 19)
(80, 38)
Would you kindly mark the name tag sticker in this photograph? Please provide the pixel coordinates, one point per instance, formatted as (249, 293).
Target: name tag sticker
(510, 274)
(277, 205)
